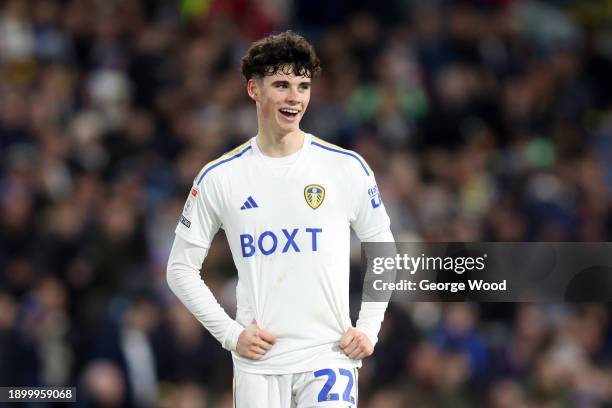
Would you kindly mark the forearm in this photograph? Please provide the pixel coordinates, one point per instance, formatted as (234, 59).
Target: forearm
(183, 277)
(372, 314)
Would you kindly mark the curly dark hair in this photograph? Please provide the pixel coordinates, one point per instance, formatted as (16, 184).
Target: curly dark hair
(286, 52)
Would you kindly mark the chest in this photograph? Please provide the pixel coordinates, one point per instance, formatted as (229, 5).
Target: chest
(282, 200)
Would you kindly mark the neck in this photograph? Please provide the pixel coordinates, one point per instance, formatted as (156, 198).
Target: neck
(280, 145)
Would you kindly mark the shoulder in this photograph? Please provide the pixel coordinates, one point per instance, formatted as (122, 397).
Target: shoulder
(223, 163)
(348, 158)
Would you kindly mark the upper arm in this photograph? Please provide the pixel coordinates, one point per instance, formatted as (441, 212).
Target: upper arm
(186, 254)
(200, 219)
(369, 215)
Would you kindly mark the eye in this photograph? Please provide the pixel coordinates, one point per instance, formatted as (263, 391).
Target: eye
(282, 85)
(305, 86)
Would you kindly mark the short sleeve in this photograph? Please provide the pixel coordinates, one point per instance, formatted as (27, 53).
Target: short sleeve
(369, 213)
(199, 221)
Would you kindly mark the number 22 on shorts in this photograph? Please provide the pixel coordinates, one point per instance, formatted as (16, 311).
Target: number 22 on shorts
(326, 395)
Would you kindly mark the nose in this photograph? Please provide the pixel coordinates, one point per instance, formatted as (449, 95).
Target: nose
(293, 96)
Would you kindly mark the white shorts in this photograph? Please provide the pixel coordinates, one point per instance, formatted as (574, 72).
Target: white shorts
(328, 388)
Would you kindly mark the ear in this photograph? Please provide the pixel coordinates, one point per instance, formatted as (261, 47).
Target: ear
(252, 89)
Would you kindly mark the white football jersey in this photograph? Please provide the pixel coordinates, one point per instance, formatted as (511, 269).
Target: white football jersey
(288, 224)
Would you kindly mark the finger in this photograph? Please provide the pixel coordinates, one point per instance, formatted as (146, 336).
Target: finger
(266, 336)
(350, 349)
(254, 356)
(261, 350)
(257, 351)
(364, 349)
(264, 345)
(357, 350)
(357, 353)
(251, 353)
(346, 339)
(362, 353)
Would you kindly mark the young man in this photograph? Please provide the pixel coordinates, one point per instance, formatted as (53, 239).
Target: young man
(286, 201)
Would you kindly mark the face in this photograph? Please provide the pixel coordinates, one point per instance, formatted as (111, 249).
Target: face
(281, 101)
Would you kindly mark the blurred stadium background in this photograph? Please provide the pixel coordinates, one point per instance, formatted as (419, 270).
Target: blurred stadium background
(485, 120)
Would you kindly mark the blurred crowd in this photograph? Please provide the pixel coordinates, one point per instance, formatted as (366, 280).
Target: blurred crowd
(484, 120)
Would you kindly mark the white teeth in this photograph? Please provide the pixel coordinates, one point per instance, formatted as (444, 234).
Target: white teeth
(292, 111)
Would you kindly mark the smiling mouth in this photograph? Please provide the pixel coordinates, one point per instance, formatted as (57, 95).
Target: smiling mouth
(289, 113)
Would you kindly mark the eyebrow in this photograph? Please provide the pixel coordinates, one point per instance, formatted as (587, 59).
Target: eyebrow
(284, 82)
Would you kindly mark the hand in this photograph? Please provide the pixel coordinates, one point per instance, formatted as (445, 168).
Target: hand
(356, 344)
(254, 342)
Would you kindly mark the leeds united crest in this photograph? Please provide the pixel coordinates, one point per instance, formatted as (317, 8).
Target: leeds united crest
(314, 195)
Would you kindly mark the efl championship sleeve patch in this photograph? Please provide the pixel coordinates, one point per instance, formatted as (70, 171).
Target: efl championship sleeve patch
(190, 201)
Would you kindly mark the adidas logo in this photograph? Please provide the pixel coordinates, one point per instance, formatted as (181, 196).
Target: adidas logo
(249, 203)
